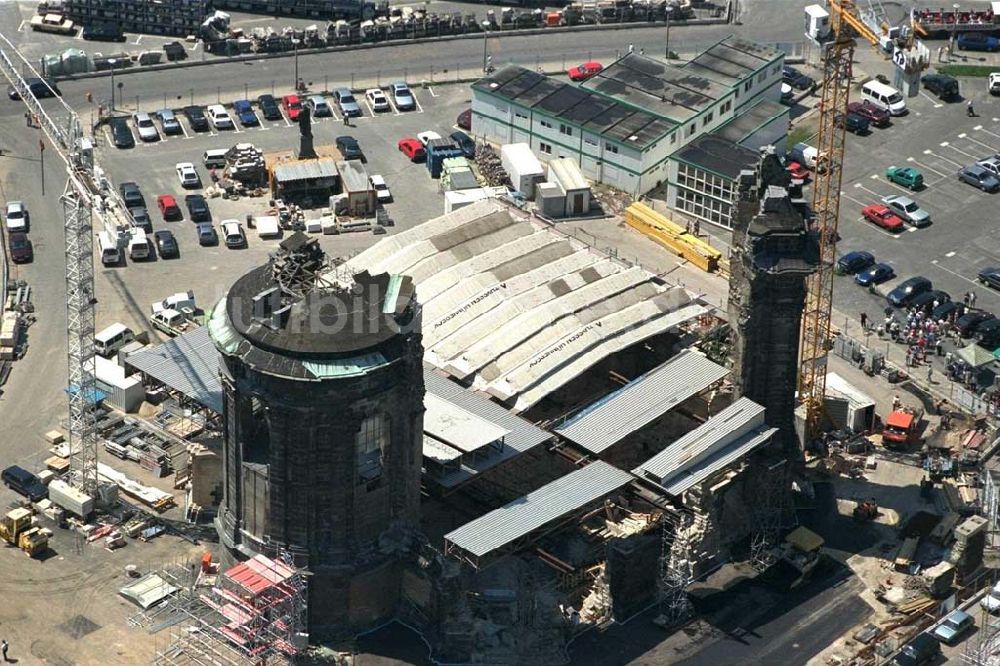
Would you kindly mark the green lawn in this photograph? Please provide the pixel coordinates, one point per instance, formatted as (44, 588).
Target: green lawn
(981, 71)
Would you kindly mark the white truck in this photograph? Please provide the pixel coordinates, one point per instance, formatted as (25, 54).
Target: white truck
(172, 322)
(182, 301)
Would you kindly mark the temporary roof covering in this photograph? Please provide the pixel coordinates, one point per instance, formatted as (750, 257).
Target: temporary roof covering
(837, 385)
(641, 401)
(565, 171)
(716, 444)
(458, 427)
(804, 539)
(188, 363)
(259, 573)
(305, 170)
(505, 526)
(975, 355)
(148, 591)
(517, 308)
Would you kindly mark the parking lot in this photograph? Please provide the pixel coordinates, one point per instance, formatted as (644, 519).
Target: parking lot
(938, 139)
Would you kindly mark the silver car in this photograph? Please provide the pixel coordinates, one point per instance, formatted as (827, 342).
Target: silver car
(908, 209)
(402, 96)
(169, 122)
(317, 104)
(144, 125)
(348, 105)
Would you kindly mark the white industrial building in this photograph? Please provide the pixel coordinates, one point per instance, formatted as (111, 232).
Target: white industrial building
(624, 124)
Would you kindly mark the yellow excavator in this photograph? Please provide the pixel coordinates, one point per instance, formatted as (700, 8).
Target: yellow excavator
(16, 529)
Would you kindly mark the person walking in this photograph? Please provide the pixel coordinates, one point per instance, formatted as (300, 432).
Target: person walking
(965, 299)
(896, 402)
(864, 321)
(930, 373)
(972, 299)
(3, 649)
(970, 110)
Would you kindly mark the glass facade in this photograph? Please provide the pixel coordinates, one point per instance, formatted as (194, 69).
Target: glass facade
(705, 195)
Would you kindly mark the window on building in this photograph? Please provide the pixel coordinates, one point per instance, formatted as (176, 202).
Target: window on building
(747, 85)
(704, 195)
(707, 119)
(565, 129)
(590, 142)
(545, 123)
(761, 77)
(690, 130)
(725, 107)
(545, 147)
(673, 139)
(369, 445)
(776, 69)
(611, 148)
(522, 116)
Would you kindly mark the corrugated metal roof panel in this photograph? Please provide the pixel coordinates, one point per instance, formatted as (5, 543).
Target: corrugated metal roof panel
(642, 401)
(188, 363)
(304, 170)
(534, 510)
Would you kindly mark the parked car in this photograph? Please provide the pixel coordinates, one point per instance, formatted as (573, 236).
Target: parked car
(24, 483)
(464, 142)
(942, 85)
(402, 96)
(140, 218)
(427, 137)
(168, 207)
(232, 234)
(17, 216)
(905, 176)
(21, 250)
(881, 215)
(198, 208)
(319, 107)
(584, 71)
(991, 164)
(977, 41)
(196, 118)
(292, 106)
(854, 123)
(412, 148)
(979, 176)
(945, 310)
(921, 650)
(349, 148)
(926, 301)
(103, 32)
(382, 193)
(852, 262)
(169, 122)
(206, 234)
(787, 94)
(908, 209)
(131, 194)
(345, 100)
(269, 107)
(953, 626)
(990, 277)
(876, 116)
(378, 100)
(988, 334)
(221, 119)
(144, 125)
(798, 171)
(40, 88)
(244, 111)
(908, 289)
(993, 85)
(966, 325)
(166, 244)
(187, 174)
(464, 120)
(121, 133)
(873, 275)
(795, 78)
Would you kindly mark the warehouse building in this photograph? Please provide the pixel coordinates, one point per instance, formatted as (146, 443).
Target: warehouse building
(624, 125)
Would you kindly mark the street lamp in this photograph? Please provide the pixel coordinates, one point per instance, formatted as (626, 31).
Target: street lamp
(666, 20)
(486, 28)
(112, 62)
(295, 46)
(954, 29)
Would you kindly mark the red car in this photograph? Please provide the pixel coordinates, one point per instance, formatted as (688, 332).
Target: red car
(797, 171)
(876, 116)
(464, 120)
(168, 207)
(880, 215)
(292, 106)
(412, 148)
(585, 71)
(20, 248)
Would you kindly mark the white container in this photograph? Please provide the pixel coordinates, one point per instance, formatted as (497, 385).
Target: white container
(523, 167)
(71, 499)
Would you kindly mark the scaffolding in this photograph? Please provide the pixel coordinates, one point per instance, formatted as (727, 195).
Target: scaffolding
(768, 514)
(253, 613)
(676, 566)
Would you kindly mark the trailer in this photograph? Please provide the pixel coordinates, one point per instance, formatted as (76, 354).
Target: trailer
(523, 168)
(71, 499)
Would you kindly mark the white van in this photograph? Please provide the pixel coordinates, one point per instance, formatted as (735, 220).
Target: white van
(138, 245)
(884, 97)
(113, 338)
(110, 254)
(214, 158)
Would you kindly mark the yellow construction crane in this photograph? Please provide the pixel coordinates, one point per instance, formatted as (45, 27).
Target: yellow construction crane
(845, 24)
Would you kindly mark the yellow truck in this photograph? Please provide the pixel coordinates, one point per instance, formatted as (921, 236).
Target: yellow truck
(17, 530)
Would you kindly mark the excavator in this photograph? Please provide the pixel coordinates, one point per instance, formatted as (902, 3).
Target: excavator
(16, 529)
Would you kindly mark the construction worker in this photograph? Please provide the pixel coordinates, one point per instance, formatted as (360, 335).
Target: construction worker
(896, 403)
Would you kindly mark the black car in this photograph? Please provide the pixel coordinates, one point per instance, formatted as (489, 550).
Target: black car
(140, 218)
(132, 195)
(198, 208)
(40, 88)
(103, 32)
(908, 289)
(795, 78)
(966, 324)
(269, 107)
(854, 123)
(988, 334)
(925, 301)
(349, 148)
(919, 651)
(175, 51)
(121, 133)
(856, 261)
(166, 244)
(206, 234)
(942, 85)
(21, 250)
(945, 310)
(196, 118)
(990, 277)
(464, 142)
(25, 483)
(875, 115)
